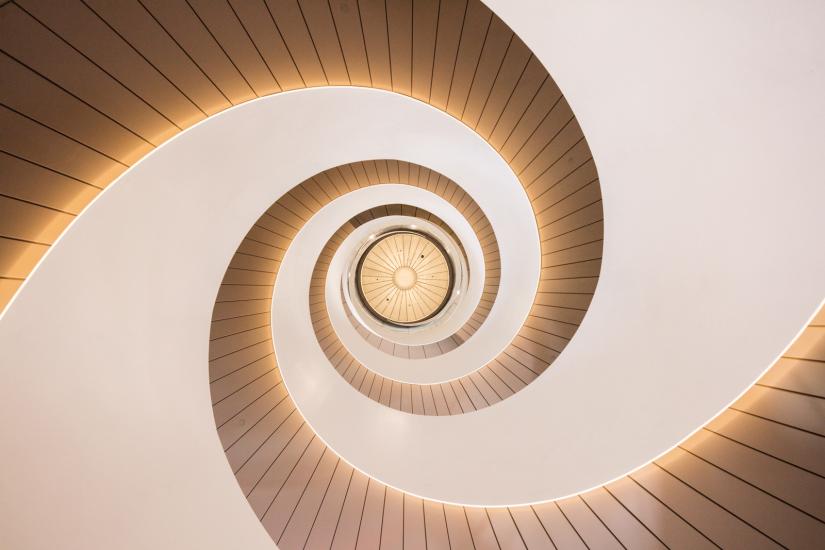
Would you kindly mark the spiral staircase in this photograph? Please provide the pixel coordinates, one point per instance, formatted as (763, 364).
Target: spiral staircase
(411, 274)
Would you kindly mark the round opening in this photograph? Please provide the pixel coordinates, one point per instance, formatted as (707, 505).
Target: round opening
(404, 278)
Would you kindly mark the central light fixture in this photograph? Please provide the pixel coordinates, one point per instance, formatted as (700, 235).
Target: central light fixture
(404, 278)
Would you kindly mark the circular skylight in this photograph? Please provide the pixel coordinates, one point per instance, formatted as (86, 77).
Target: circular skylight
(405, 278)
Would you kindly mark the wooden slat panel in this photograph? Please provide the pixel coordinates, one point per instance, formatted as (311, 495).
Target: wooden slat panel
(473, 36)
(480, 528)
(221, 21)
(589, 232)
(7, 289)
(83, 26)
(191, 33)
(558, 526)
(369, 533)
(435, 525)
(252, 427)
(799, 375)
(556, 136)
(233, 406)
(507, 534)
(555, 133)
(265, 489)
(399, 25)
(424, 28)
(229, 344)
(243, 433)
(762, 511)
(530, 528)
(305, 513)
(587, 524)
(27, 92)
(225, 310)
(349, 521)
(240, 378)
(325, 39)
(218, 368)
(283, 507)
(563, 162)
(671, 529)
(783, 481)
(148, 38)
(25, 138)
(789, 408)
(25, 39)
(713, 521)
(254, 465)
(491, 62)
(495, 382)
(624, 526)
(268, 42)
(32, 183)
(450, 24)
(529, 83)
(23, 221)
(323, 529)
(512, 68)
(374, 28)
(810, 345)
(18, 258)
(586, 214)
(347, 20)
(797, 447)
(392, 528)
(414, 533)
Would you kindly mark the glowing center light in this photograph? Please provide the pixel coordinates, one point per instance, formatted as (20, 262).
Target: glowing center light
(404, 278)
